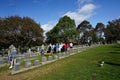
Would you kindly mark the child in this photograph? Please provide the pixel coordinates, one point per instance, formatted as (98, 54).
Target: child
(13, 57)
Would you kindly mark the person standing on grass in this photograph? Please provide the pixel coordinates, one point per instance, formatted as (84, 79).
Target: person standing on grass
(9, 52)
(13, 56)
(57, 47)
(60, 47)
(42, 49)
(49, 48)
(71, 45)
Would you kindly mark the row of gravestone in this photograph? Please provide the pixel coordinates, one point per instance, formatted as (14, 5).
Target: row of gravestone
(45, 59)
(36, 62)
(28, 56)
(25, 56)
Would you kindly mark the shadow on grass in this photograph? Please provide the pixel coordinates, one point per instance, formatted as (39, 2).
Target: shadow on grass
(115, 52)
(113, 64)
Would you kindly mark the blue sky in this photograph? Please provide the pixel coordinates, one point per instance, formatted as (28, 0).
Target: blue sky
(48, 12)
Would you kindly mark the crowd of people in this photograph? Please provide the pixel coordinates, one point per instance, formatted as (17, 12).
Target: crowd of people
(59, 47)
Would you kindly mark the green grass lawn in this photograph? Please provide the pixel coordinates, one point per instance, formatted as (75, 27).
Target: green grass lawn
(81, 66)
(85, 65)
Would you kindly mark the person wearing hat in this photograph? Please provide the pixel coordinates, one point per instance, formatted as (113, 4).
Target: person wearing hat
(13, 57)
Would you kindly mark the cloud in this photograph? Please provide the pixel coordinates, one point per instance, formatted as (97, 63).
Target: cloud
(86, 9)
(82, 13)
(47, 27)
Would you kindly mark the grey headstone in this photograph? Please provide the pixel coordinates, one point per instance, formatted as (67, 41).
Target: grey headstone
(79, 50)
(5, 59)
(50, 58)
(28, 64)
(17, 66)
(33, 55)
(55, 57)
(2, 61)
(64, 54)
(67, 53)
(19, 59)
(75, 50)
(27, 55)
(60, 54)
(71, 51)
(44, 59)
(37, 62)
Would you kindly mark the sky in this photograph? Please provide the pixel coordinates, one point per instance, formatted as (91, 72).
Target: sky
(48, 12)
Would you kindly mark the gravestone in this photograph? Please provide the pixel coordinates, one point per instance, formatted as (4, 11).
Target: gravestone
(28, 64)
(16, 66)
(55, 57)
(33, 55)
(64, 54)
(60, 54)
(19, 59)
(2, 61)
(37, 62)
(5, 59)
(50, 58)
(38, 50)
(78, 49)
(71, 51)
(29, 51)
(67, 53)
(44, 59)
(26, 55)
(75, 51)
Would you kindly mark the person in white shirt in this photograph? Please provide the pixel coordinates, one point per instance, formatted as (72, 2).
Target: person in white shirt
(71, 45)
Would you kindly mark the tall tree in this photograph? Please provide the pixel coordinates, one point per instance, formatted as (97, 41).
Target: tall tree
(112, 31)
(32, 31)
(20, 32)
(99, 29)
(63, 31)
(84, 26)
(85, 29)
